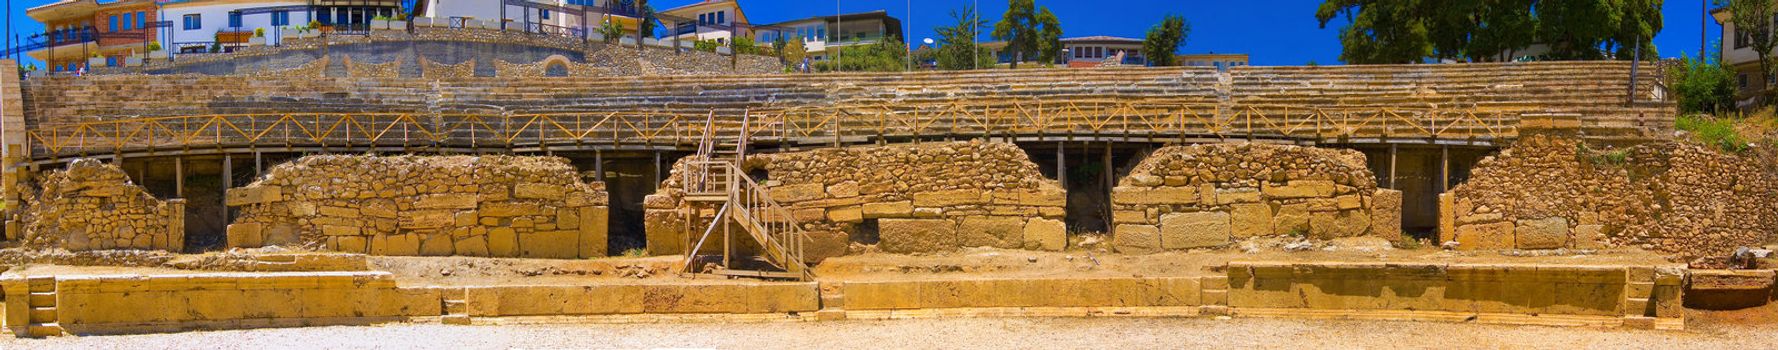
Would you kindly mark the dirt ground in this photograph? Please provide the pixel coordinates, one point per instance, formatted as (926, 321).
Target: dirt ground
(1013, 333)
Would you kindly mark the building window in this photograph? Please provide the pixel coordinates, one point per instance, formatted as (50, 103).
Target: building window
(142, 19)
(543, 14)
(110, 61)
(703, 18)
(324, 15)
(280, 18)
(234, 19)
(113, 26)
(721, 17)
(1741, 80)
(194, 22)
(129, 19)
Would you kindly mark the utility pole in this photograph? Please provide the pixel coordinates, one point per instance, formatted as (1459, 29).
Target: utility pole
(1703, 29)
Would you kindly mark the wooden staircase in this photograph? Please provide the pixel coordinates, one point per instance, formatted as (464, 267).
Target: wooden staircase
(714, 178)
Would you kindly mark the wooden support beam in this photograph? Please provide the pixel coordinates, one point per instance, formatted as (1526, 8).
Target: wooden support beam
(179, 177)
(657, 168)
(1444, 169)
(1062, 164)
(599, 165)
(1110, 182)
(1392, 154)
(228, 181)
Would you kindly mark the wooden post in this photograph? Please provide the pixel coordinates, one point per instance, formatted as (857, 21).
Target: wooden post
(228, 181)
(179, 177)
(1110, 182)
(657, 168)
(1444, 169)
(599, 165)
(258, 165)
(1392, 152)
(1062, 164)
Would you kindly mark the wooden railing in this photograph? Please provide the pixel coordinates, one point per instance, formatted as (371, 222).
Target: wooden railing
(1087, 118)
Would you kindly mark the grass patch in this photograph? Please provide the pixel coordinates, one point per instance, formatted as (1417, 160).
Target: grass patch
(635, 253)
(1616, 157)
(1718, 132)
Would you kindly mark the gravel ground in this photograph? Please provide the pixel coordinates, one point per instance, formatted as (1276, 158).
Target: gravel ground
(1008, 333)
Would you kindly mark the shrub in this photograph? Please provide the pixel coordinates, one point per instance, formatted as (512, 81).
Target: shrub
(1703, 86)
(611, 30)
(154, 46)
(706, 45)
(1719, 132)
(259, 32)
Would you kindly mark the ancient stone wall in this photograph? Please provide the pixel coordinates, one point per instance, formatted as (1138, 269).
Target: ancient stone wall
(928, 197)
(497, 206)
(93, 206)
(435, 70)
(1675, 197)
(1197, 196)
(389, 69)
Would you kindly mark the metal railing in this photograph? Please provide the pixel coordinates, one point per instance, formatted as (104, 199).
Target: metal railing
(1125, 118)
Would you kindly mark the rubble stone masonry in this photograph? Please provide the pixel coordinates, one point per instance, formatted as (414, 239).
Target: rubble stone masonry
(94, 206)
(1198, 196)
(493, 206)
(1675, 197)
(926, 197)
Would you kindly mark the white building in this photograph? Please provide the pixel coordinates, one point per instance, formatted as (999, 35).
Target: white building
(563, 19)
(850, 29)
(199, 25)
(719, 20)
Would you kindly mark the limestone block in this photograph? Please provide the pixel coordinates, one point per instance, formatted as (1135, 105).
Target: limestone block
(787, 194)
(1348, 202)
(849, 214)
(1046, 196)
(472, 246)
(538, 191)
(1546, 233)
(949, 198)
(991, 231)
(333, 230)
(1291, 219)
(567, 218)
(1137, 239)
(438, 245)
(403, 245)
(1447, 217)
(846, 189)
(447, 201)
(1497, 235)
(659, 201)
(1194, 230)
(917, 235)
(1233, 196)
(594, 231)
(1299, 189)
(428, 219)
(1386, 213)
(888, 210)
(1157, 195)
(1129, 217)
(339, 212)
(381, 208)
(245, 235)
(1590, 236)
(509, 209)
(1045, 234)
(353, 244)
(504, 242)
(550, 245)
(253, 195)
(1339, 224)
(1250, 219)
(825, 244)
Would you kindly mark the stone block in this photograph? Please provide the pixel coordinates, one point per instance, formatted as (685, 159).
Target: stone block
(1497, 235)
(446, 201)
(1233, 196)
(503, 242)
(472, 246)
(339, 212)
(1447, 217)
(659, 201)
(277, 235)
(1250, 220)
(538, 191)
(253, 195)
(438, 244)
(594, 231)
(939, 199)
(1137, 239)
(1194, 230)
(917, 235)
(1590, 237)
(428, 219)
(403, 245)
(1045, 234)
(333, 230)
(846, 189)
(1291, 219)
(1129, 217)
(1339, 224)
(1299, 189)
(1386, 213)
(1152, 196)
(245, 235)
(888, 210)
(1546, 233)
(509, 209)
(381, 208)
(825, 244)
(787, 194)
(848, 214)
(353, 244)
(1046, 196)
(991, 231)
(550, 245)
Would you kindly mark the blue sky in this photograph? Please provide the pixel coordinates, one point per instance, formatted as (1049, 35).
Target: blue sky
(1273, 32)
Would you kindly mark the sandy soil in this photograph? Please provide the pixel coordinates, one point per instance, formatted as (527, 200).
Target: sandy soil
(1068, 333)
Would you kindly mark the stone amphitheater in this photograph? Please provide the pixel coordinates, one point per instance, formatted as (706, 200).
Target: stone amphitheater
(466, 192)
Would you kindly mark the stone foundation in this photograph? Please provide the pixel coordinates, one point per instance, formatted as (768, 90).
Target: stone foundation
(1553, 191)
(1202, 196)
(923, 197)
(94, 206)
(494, 206)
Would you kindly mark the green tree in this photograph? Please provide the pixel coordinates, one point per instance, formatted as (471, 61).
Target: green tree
(1575, 29)
(888, 55)
(1164, 40)
(1503, 27)
(1049, 39)
(1020, 28)
(611, 30)
(794, 51)
(1752, 20)
(1448, 28)
(1379, 31)
(957, 47)
(1641, 21)
(1703, 85)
